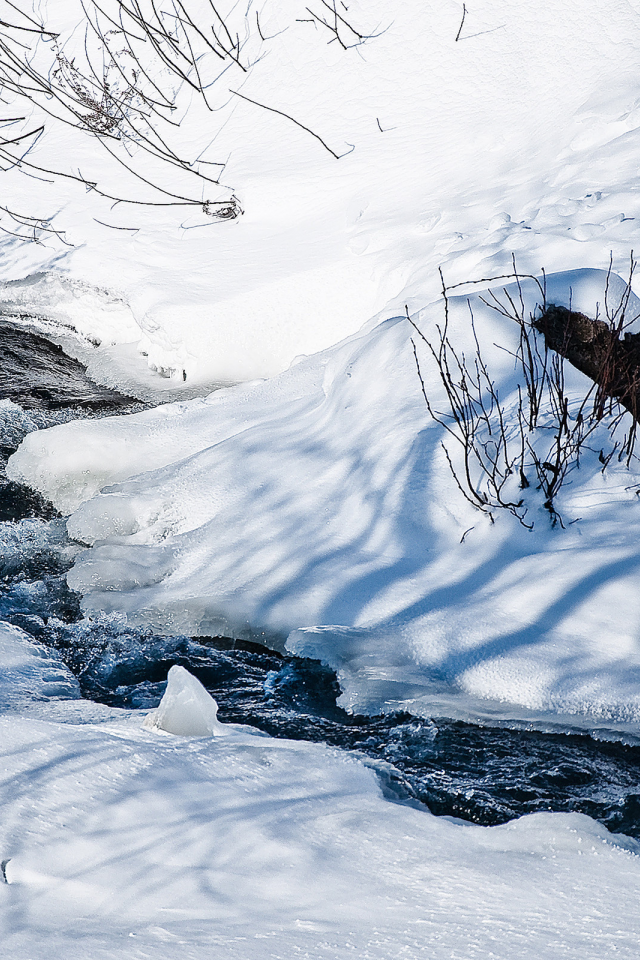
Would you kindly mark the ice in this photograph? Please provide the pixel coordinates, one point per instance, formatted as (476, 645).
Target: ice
(31, 673)
(16, 423)
(186, 708)
(69, 304)
(121, 447)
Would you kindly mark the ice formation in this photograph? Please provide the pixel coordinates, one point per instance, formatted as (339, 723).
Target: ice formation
(31, 673)
(186, 708)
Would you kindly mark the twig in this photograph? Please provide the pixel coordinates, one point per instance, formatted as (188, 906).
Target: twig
(112, 227)
(464, 13)
(297, 123)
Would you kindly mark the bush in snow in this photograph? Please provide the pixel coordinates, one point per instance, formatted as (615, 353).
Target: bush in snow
(543, 429)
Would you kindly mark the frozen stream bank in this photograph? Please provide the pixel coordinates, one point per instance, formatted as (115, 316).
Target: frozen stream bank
(487, 775)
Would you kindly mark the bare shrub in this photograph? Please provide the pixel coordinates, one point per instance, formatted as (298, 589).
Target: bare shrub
(122, 90)
(29, 229)
(540, 437)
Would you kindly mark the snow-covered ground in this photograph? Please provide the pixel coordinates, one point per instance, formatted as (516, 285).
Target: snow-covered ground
(519, 137)
(124, 841)
(311, 504)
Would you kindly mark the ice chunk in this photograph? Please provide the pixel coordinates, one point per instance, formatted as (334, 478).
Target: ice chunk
(186, 709)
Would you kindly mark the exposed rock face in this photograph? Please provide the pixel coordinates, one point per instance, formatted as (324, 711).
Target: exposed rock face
(598, 349)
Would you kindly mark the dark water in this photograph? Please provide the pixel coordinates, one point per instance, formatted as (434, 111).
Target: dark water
(37, 375)
(486, 775)
(49, 388)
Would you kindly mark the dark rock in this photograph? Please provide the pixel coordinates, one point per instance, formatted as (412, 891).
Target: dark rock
(599, 350)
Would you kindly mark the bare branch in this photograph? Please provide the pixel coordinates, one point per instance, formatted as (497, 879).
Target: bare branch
(297, 123)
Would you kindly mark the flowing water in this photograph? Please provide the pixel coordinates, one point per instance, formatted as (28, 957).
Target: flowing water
(484, 774)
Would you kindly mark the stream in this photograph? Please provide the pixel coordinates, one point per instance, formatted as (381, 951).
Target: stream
(484, 774)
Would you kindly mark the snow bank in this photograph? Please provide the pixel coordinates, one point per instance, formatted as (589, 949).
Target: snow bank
(118, 448)
(318, 505)
(519, 136)
(30, 672)
(70, 304)
(323, 498)
(119, 843)
(186, 708)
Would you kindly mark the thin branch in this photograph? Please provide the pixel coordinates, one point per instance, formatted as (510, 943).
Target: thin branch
(297, 123)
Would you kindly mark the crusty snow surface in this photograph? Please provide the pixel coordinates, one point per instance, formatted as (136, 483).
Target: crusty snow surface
(311, 504)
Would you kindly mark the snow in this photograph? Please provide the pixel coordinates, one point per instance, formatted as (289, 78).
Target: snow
(311, 505)
(186, 708)
(519, 137)
(31, 673)
(316, 511)
(117, 842)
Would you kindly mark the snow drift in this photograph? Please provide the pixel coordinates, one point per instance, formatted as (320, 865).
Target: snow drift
(517, 135)
(317, 509)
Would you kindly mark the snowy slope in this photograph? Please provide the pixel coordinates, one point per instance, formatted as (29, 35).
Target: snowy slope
(320, 498)
(316, 508)
(519, 136)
